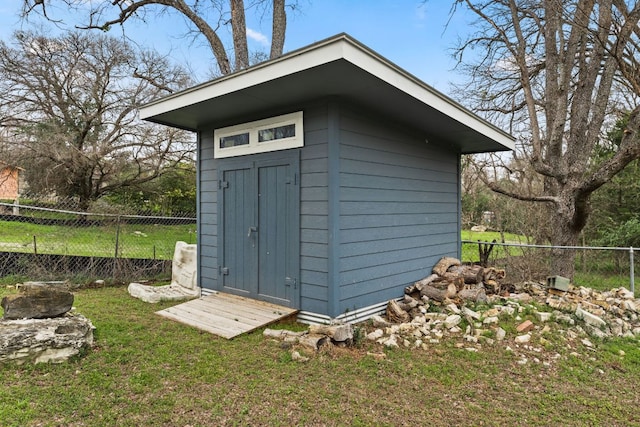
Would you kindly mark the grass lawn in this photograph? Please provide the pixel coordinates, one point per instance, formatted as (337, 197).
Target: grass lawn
(134, 241)
(470, 250)
(148, 371)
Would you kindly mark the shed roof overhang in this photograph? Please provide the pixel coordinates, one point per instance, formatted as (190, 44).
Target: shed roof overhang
(339, 66)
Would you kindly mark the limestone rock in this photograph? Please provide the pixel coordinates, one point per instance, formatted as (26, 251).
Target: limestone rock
(281, 333)
(378, 321)
(338, 333)
(391, 342)
(37, 303)
(64, 285)
(183, 279)
(588, 318)
(472, 314)
(543, 316)
(490, 320)
(375, 335)
(44, 340)
(452, 320)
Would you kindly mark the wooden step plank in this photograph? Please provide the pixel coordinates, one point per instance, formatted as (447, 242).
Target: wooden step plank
(244, 313)
(225, 314)
(227, 328)
(254, 302)
(250, 307)
(216, 317)
(261, 307)
(199, 324)
(242, 308)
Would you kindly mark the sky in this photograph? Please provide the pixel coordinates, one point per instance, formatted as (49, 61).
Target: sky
(416, 35)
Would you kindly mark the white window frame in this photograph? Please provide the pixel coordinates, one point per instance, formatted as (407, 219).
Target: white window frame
(252, 128)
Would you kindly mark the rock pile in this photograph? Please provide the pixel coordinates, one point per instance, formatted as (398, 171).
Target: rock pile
(314, 338)
(539, 313)
(473, 308)
(37, 327)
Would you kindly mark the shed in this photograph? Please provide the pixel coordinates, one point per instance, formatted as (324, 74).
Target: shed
(328, 178)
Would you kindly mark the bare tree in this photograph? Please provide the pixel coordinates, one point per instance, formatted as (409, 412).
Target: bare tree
(558, 71)
(206, 16)
(69, 106)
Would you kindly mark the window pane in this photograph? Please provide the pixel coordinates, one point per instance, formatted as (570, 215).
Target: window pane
(234, 140)
(280, 132)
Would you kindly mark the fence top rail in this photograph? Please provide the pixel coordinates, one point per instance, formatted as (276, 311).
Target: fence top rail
(38, 208)
(525, 245)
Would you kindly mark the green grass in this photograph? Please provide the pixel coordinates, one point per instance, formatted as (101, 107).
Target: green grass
(470, 250)
(134, 241)
(602, 281)
(146, 370)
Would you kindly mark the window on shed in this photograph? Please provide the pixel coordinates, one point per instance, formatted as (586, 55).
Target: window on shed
(234, 140)
(272, 134)
(280, 132)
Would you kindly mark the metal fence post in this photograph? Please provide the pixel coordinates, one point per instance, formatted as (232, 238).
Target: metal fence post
(631, 271)
(115, 255)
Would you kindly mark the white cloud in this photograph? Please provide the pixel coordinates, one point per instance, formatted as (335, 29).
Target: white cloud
(257, 36)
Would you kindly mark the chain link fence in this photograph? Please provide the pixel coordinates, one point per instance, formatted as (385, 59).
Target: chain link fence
(51, 243)
(595, 267)
(44, 241)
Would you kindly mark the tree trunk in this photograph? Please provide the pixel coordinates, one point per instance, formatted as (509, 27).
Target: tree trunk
(565, 232)
(278, 29)
(239, 29)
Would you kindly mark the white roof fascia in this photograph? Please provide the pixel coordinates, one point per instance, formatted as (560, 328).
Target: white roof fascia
(298, 61)
(333, 49)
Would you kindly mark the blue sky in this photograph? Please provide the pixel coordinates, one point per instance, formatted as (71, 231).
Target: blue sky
(409, 33)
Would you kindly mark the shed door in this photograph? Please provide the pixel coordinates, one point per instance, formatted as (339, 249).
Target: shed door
(259, 229)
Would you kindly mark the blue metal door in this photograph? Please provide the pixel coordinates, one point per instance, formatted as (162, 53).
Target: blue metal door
(259, 228)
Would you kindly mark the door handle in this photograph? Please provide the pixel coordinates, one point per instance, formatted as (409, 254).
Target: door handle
(251, 230)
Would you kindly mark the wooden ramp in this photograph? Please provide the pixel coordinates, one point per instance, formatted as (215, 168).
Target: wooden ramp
(226, 315)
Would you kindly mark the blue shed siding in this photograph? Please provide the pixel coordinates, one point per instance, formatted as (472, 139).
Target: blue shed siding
(399, 201)
(396, 210)
(314, 267)
(207, 213)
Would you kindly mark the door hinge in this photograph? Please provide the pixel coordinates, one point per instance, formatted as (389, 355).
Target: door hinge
(292, 179)
(223, 184)
(224, 271)
(288, 281)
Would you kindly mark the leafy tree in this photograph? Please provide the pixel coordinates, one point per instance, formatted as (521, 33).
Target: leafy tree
(207, 18)
(70, 105)
(174, 192)
(554, 72)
